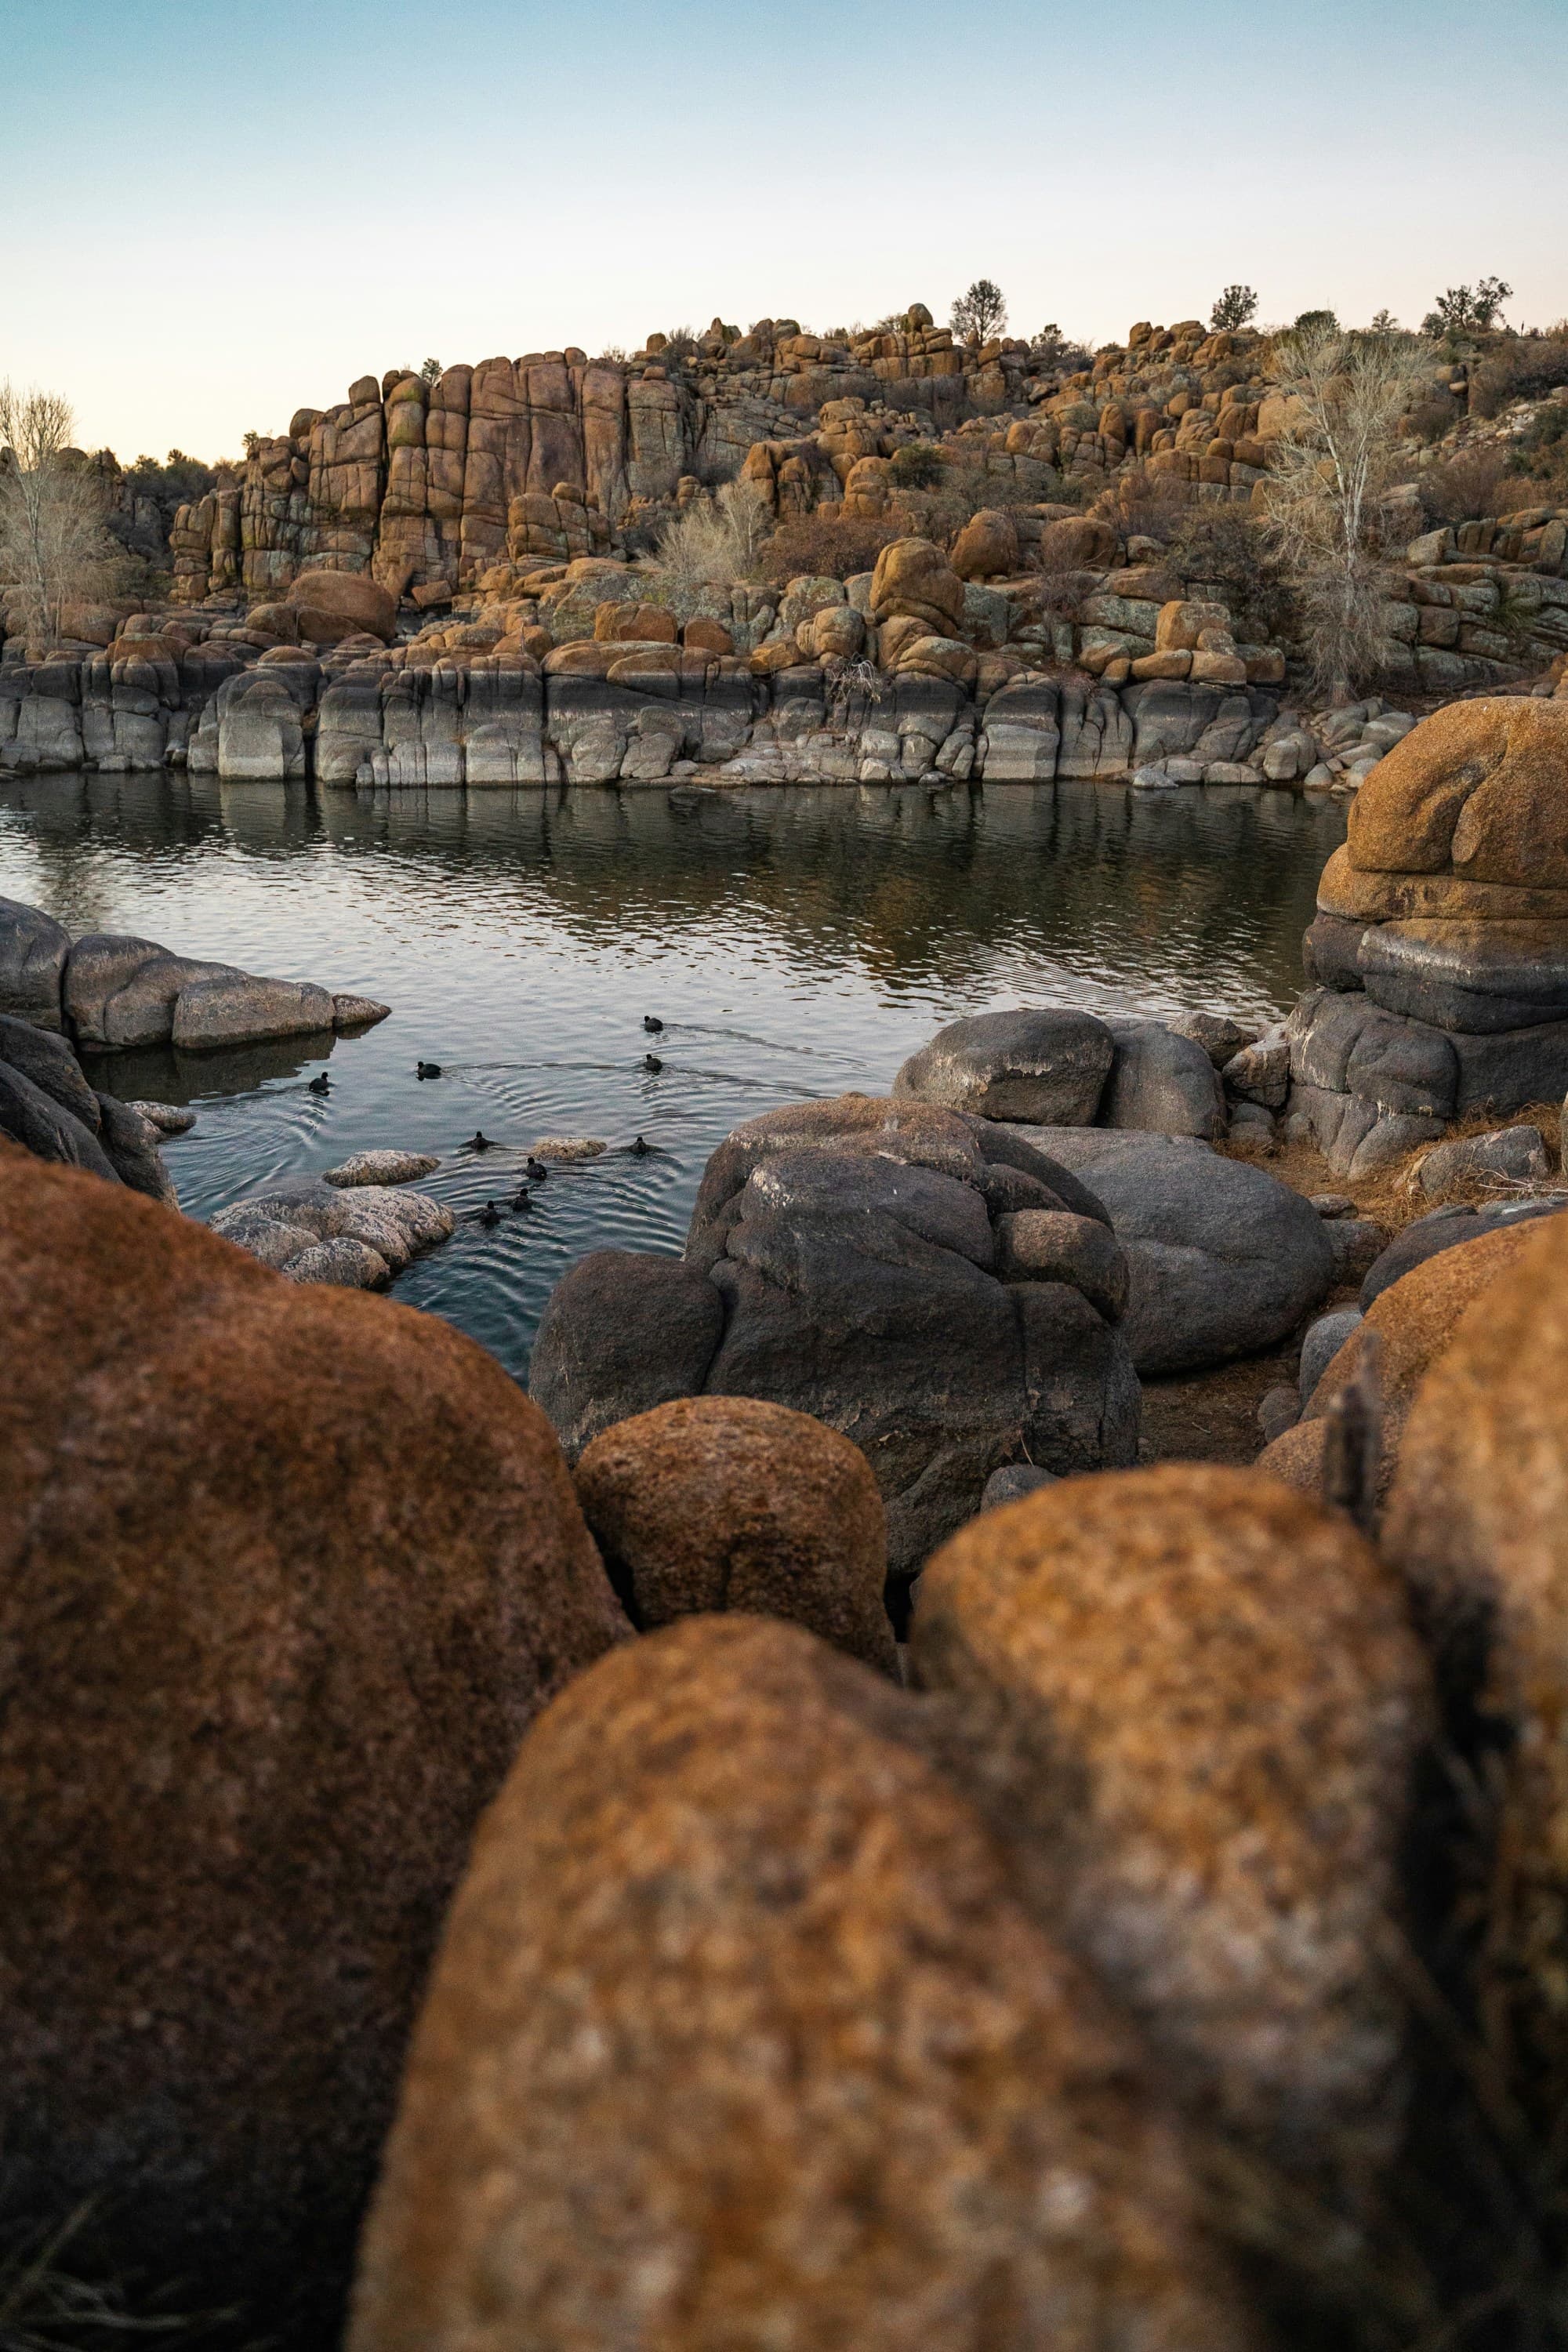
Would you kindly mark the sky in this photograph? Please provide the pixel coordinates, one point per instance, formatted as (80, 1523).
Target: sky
(213, 213)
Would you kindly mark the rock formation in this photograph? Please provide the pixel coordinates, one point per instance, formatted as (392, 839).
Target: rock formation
(865, 1261)
(1440, 947)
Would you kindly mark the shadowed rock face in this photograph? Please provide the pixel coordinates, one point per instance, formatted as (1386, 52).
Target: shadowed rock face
(284, 1574)
(863, 1276)
(751, 2045)
(1440, 947)
(1193, 1702)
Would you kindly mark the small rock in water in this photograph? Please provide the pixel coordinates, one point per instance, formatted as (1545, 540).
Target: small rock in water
(566, 1147)
(357, 1011)
(168, 1118)
(426, 1069)
(382, 1168)
(352, 1265)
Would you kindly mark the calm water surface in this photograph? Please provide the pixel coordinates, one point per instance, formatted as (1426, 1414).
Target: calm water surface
(794, 942)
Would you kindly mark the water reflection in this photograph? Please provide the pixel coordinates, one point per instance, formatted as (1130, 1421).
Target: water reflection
(796, 941)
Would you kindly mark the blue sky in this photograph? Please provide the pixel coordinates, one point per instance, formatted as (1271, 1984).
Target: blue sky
(216, 214)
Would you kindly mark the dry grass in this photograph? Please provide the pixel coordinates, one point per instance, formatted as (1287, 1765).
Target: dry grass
(47, 2304)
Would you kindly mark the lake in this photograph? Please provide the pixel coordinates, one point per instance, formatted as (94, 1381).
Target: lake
(794, 941)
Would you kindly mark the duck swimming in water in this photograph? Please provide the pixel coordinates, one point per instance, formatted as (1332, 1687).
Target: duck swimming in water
(524, 1199)
(535, 1170)
(489, 1214)
(642, 1147)
(479, 1142)
(651, 1062)
(321, 1083)
(427, 1070)
(652, 1023)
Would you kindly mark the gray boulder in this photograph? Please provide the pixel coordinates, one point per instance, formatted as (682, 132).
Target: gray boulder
(43, 1127)
(1012, 1482)
(33, 952)
(233, 1007)
(44, 1056)
(1221, 1037)
(1322, 1344)
(1513, 1154)
(1044, 1065)
(1356, 1242)
(1260, 1073)
(398, 1226)
(132, 1146)
(864, 1256)
(349, 1264)
(1222, 1259)
(1162, 1084)
(121, 991)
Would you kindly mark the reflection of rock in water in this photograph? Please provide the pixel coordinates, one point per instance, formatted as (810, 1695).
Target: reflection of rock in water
(159, 1072)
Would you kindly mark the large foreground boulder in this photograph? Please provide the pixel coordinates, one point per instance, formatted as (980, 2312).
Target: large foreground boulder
(741, 2041)
(1224, 1259)
(284, 1575)
(1475, 1520)
(1195, 1704)
(861, 1259)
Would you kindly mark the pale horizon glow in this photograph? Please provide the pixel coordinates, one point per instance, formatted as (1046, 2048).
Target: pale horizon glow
(218, 214)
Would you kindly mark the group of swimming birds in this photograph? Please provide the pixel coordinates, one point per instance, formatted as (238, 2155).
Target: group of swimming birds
(534, 1169)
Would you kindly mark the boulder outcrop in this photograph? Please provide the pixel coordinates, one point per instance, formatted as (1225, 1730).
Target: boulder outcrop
(286, 1574)
(1439, 953)
(849, 1259)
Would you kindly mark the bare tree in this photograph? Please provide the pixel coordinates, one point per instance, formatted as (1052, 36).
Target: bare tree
(982, 312)
(716, 542)
(52, 544)
(1325, 495)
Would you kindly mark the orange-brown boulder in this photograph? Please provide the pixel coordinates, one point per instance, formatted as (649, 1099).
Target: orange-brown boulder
(1413, 1321)
(284, 1574)
(638, 623)
(1477, 790)
(1077, 544)
(336, 604)
(739, 2041)
(705, 637)
(1476, 1523)
(986, 546)
(716, 1503)
(1193, 1702)
(914, 576)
